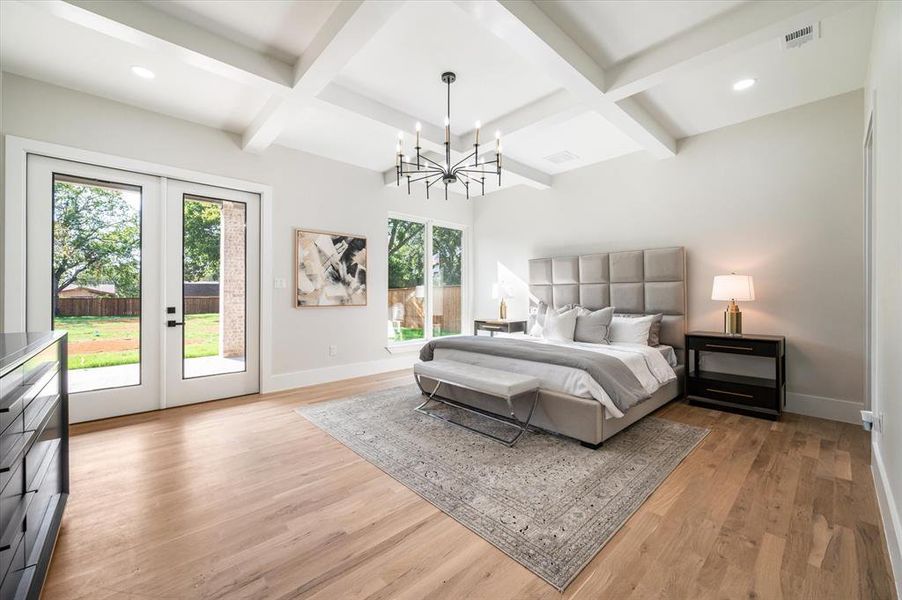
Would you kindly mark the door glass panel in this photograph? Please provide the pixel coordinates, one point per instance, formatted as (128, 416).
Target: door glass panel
(214, 280)
(97, 280)
(447, 253)
(406, 280)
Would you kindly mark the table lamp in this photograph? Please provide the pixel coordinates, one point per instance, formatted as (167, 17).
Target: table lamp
(733, 287)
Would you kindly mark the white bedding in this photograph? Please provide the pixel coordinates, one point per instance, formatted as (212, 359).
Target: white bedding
(648, 364)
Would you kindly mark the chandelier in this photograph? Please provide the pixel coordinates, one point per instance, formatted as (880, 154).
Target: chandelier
(466, 172)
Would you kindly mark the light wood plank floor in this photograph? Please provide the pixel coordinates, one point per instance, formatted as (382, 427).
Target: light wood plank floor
(243, 498)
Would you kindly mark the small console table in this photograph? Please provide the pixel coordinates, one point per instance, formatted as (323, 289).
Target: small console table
(756, 396)
(494, 326)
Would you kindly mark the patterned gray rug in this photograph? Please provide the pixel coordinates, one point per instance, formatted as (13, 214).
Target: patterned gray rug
(548, 503)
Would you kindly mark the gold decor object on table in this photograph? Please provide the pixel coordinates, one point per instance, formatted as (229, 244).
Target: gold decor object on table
(733, 287)
(501, 291)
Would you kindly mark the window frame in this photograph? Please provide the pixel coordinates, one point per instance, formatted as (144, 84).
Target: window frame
(466, 322)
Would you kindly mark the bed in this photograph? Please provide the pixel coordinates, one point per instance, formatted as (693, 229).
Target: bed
(570, 402)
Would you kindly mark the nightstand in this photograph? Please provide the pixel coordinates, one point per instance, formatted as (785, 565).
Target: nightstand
(756, 396)
(494, 326)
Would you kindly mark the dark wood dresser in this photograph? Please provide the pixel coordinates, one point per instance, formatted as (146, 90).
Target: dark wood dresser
(34, 457)
(756, 396)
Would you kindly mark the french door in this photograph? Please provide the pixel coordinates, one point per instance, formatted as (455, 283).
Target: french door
(211, 354)
(156, 281)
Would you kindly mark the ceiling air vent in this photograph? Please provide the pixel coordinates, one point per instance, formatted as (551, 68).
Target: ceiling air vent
(562, 157)
(801, 36)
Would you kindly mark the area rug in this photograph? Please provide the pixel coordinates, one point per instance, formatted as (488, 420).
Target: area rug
(548, 503)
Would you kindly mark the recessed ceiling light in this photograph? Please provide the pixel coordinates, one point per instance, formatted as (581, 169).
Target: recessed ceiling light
(744, 84)
(143, 72)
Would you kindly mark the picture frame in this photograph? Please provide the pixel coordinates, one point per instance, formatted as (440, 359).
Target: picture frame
(330, 269)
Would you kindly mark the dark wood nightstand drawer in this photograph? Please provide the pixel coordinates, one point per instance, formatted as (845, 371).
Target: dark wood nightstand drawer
(724, 391)
(735, 346)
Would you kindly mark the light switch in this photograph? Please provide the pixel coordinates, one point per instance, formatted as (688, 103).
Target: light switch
(280, 283)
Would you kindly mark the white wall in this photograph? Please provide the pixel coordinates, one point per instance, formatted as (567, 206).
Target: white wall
(308, 191)
(884, 96)
(778, 197)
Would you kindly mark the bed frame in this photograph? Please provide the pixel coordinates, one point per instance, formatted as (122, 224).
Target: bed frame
(638, 281)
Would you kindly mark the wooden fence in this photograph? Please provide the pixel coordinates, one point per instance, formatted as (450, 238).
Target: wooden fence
(126, 307)
(404, 306)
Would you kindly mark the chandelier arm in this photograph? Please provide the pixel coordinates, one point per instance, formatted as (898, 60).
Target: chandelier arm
(466, 176)
(416, 171)
(423, 177)
(488, 162)
(464, 159)
(440, 166)
(477, 171)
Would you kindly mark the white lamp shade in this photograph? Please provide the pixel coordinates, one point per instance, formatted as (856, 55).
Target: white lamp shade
(500, 290)
(420, 291)
(733, 287)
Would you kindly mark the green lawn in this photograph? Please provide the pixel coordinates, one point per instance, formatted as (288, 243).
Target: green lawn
(416, 333)
(109, 341)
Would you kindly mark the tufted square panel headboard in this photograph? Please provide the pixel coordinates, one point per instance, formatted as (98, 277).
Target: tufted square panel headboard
(637, 281)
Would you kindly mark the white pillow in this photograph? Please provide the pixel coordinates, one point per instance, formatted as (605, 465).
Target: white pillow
(633, 330)
(560, 326)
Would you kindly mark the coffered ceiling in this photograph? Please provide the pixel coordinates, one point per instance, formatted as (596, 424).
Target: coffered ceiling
(569, 83)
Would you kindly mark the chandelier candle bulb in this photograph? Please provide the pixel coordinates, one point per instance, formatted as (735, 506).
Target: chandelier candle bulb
(478, 126)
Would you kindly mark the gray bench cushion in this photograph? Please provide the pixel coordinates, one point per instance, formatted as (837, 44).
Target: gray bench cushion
(489, 381)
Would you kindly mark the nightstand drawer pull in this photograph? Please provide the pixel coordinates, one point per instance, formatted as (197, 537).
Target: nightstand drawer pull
(492, 327)
(729, 393)
(728, 347)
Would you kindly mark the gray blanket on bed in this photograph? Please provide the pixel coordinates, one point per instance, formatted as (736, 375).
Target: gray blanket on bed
(610, 372)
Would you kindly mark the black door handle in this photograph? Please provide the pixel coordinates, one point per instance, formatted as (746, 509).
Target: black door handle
(172, 323)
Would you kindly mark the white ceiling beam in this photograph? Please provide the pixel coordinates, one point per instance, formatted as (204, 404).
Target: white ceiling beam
(432, 137)
(536, 37)
(556, 107)
(346, 31)
(142, 25)
(744, 27)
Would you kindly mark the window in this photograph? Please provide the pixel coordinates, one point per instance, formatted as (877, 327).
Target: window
(97, 280)
(424, 304)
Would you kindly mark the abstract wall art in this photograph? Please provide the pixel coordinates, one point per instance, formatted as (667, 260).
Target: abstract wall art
(330, 269)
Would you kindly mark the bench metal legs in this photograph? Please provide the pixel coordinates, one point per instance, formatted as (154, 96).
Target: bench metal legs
(514, 421)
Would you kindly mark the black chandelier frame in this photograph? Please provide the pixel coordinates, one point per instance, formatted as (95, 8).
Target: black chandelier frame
(464, 172)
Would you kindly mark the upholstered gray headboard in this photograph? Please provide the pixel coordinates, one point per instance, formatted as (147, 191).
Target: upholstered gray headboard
(638, 281)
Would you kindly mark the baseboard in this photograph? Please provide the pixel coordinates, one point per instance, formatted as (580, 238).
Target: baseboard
(296, 379)
(892, 524)
(824, 408)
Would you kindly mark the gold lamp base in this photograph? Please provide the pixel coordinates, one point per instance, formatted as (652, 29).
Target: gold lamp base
(502, 310)
(732, 320)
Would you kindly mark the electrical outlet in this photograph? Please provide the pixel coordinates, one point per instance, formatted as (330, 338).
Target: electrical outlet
(280, 283)
(333, 350)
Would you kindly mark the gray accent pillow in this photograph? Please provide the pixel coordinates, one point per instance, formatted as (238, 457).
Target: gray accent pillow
(593, 327)
(654, 333)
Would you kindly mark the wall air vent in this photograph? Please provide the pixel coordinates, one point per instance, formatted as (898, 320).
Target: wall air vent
(801, 36)
(562, 157)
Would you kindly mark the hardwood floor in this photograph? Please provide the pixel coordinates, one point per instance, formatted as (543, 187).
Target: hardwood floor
(244, 498)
